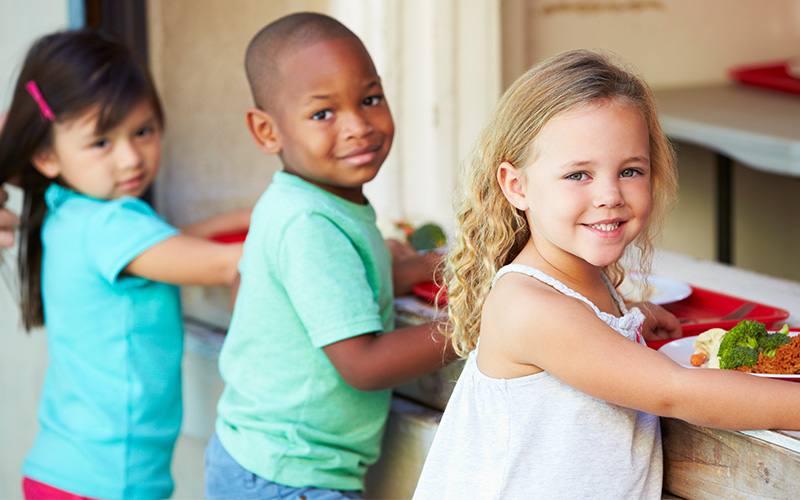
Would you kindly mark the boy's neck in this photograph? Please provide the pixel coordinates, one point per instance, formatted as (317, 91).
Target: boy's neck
(351, 194)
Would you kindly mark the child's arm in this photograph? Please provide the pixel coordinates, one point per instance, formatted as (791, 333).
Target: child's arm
(188, 260)
(229, 222)
(375, 362)
(558, 334)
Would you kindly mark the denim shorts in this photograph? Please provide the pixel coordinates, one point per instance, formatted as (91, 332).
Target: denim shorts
(225, 479)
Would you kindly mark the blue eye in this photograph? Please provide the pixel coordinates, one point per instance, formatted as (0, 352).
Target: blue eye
(325, 114)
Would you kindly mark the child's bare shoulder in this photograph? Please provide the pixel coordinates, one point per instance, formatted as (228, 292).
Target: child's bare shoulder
(520, 305)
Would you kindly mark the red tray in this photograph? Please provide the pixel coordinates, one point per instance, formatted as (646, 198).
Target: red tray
(705, 309)
(428, 291)
(773, 76)
(230, 237)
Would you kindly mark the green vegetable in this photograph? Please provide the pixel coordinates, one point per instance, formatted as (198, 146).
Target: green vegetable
(428, 237)
(745, 334)
(738, 356)
(771, 341)
(742, 344)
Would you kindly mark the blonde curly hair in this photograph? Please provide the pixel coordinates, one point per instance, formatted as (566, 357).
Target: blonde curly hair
(489, 231)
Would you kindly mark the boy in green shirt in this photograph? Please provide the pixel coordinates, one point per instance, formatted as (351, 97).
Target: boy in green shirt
(312, 353)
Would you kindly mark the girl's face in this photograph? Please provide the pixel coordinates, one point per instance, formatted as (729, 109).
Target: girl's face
(587, 194)
(123, 161)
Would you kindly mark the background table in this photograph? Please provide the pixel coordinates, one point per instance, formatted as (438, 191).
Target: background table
(759, 128)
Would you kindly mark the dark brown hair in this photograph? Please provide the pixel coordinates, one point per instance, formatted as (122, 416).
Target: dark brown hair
(74, 71)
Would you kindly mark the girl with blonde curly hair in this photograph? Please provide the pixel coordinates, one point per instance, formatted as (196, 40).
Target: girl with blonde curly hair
(559, 395)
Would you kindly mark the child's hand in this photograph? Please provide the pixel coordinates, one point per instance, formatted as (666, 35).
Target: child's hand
(659, 324)
(410, 267)
(8, 222)
(399, 249)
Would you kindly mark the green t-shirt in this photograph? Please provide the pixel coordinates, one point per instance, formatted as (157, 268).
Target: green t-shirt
(315, 271)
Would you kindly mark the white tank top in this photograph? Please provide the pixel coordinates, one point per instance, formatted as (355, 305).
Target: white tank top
(535, 437)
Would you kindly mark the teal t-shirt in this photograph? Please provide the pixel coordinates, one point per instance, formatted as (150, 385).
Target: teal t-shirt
(315, 270)
(110, 407)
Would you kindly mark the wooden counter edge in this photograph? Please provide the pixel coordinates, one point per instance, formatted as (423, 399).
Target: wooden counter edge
(704, 464)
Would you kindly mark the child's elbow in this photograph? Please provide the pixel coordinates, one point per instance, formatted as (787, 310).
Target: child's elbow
(363, 383)
(361, 378)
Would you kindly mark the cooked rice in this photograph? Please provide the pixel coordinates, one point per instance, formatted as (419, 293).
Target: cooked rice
(785, 362)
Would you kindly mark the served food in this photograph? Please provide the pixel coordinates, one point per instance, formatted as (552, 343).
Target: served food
(706, 348)
(786, 360)
(426, 237)
(748, 347)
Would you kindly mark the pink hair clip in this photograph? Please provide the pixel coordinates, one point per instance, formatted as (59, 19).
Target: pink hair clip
(33, 90)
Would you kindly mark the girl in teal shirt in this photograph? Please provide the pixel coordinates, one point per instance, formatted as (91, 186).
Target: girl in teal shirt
(99, 268)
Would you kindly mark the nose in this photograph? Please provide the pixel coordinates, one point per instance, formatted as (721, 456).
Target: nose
(128, 155)
(608, 194)
(356, 125)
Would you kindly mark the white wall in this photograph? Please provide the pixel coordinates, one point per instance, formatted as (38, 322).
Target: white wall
(20, 24)
(22, 356)
(672, 42)
(440, 62)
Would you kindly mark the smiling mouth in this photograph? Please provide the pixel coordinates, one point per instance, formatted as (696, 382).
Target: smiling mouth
(362, 156)
(606, 227)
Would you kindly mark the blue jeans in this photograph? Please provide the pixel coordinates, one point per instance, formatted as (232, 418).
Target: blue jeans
(225, 479)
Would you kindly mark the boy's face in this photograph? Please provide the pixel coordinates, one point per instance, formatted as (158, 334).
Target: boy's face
(331, 121)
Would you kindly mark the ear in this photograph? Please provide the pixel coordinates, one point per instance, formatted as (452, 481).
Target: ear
(512, 183)
(262, 128)
(46, 163)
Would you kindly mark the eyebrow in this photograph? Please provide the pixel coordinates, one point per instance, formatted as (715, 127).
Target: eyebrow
(583, 163)
(372, 84)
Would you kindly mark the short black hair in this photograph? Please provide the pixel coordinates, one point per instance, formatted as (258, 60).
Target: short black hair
(291, 32)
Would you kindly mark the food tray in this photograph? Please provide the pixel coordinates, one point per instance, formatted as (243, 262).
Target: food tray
(430, 292)
(772, 76)
(705, 309)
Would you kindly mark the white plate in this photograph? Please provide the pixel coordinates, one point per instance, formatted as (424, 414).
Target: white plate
(680, 350)
(660, 290)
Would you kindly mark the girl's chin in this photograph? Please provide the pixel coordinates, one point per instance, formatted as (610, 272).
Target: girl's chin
(604, 260)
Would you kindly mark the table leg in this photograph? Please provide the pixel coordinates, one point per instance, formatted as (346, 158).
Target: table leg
(724, 209)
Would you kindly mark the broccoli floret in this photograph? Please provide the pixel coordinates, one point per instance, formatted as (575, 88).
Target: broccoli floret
(771, 341)
(738, 356)
(745, 334)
